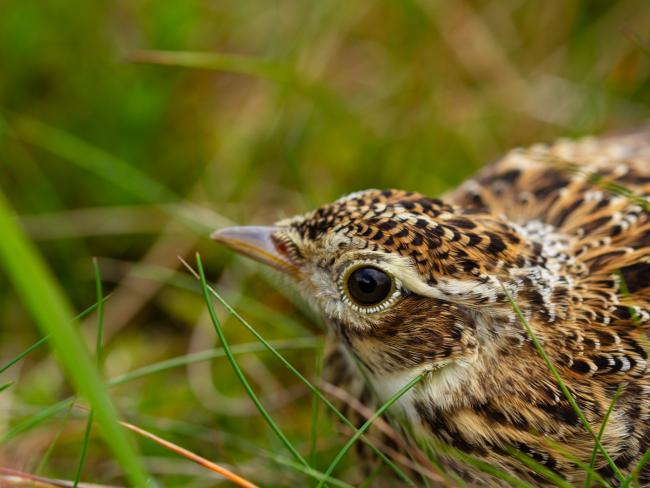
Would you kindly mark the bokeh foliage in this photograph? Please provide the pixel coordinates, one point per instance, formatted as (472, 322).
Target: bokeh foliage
(321, 98)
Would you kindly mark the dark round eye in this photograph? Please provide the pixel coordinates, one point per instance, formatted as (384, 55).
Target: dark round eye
(369, 286)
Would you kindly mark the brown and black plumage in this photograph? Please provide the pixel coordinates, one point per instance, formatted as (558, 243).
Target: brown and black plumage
(410, 283)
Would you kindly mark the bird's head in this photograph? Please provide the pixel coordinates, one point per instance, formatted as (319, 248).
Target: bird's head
(403, 279)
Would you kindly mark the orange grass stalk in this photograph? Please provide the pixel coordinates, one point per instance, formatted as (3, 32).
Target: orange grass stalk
(229, 475)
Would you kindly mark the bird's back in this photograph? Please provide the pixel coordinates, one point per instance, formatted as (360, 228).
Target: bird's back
(588, 201)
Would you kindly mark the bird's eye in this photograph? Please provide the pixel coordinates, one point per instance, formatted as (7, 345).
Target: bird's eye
(368, 286)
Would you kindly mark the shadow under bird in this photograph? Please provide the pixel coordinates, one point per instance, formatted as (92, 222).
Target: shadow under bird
(410, 284)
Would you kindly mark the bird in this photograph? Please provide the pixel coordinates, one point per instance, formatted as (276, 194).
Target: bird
(538, 262)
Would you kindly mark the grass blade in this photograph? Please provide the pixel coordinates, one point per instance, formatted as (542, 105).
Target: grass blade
(389, 403)
(276, 71)
(314, 412)
(36, 419)
(601, 431)
(645, 459)
(539, 468)
(481, 465)
(557, 446)
(229, 475)
(317, 475)
(50, 448)
(625, 293)
(240, 374)
(231, 63)
(11, 476)
(98, 360)
(90, 158)
(43, 340)
(100, 314)
(119, 173)
(304, 380)
(560, 382)
(51, 311)
(301, 343)
(48, 412)
(84, 449)
(20, 356)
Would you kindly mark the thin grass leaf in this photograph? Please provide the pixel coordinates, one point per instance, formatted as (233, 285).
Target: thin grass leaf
(84, 449)
(560, 382)
(100, 314)
(49, 308)
(201, 461)
(55, 440)
(636, 471)
(390, 420)
(577, 461)
(267, 69)
(36, 419)
(274, 427)
(601, 431)
(98, 360)
(594, 178)
(315, 404)
(231, 63)
(396, 440)
(30, 423)
(20, 356)
(371, 478)
(8, 384)
(198, 431)
(251, 347)
(483, 466)
(240, 374)
(43, 340)
(49, 412)
(269, 347)
(114, 170)
(10, 476)
(539, 468)
(389, 403)
(625, 293)
(271, 316)
(91, 158)
(317, 475)
(428, 453)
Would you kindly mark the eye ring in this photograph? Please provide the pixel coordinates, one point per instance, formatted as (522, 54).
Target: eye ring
(368, 288)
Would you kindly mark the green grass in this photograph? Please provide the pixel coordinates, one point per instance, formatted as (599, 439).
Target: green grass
(366, 425)
(565, 390)
(317, 393)
(240, 374)
(601, 431)
(50, 310)
(198, 115)
(98, 361)
(43, 340)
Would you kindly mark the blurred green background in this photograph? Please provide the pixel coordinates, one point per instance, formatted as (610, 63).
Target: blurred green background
(291, 104)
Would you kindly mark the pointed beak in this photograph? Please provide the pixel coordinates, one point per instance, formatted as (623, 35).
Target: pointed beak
(258, 243)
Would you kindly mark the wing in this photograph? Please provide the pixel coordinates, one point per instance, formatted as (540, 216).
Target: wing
(595, 194)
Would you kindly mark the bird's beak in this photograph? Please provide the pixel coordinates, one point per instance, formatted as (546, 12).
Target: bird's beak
(259, 243)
